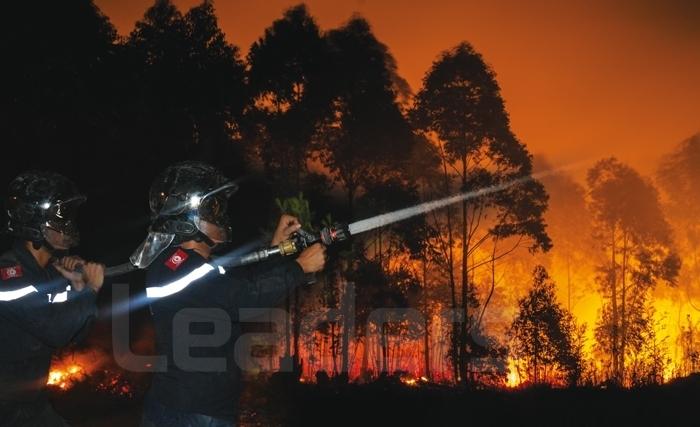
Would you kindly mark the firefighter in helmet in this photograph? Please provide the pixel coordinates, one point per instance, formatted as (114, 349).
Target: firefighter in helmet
(200, 386)
(44, 303)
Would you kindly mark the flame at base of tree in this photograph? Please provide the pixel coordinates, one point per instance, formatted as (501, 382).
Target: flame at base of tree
(412, 381)
(64, 377)
(92, 369)
(513, 379)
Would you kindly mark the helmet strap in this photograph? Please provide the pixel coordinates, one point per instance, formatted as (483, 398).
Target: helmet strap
(201, 237)
(55, 253)
(36, 238)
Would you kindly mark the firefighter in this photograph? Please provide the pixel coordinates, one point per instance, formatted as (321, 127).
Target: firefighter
(44, 304)
(189, 202)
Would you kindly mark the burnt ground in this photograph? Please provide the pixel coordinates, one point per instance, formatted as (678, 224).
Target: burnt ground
(389, 403)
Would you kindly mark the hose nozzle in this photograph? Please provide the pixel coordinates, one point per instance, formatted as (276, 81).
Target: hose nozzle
(300, 240)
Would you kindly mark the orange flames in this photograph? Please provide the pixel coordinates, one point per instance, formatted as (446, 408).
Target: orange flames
(413, 382)
(513, 379)
(64, 377)
(90, 368)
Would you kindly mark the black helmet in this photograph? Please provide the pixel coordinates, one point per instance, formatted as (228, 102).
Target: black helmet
(190, 200)
(42, 207)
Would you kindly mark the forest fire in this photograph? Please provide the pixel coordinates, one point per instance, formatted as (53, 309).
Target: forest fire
(92, 370)
(65, 377)
(520, 192)
(513, 379)
(71, 368)
(412, 381)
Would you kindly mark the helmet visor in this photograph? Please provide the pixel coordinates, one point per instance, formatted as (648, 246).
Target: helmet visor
(65, 209)
(218, 233)
(212, 214)
(213, 209)
(62, 236)
(60, 229)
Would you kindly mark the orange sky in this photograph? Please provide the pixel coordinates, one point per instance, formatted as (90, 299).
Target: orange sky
(581, 79)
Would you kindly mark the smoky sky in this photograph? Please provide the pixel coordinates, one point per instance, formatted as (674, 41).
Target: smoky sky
(679, 17)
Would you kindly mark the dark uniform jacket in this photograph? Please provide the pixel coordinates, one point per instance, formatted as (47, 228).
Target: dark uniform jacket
(182, 279)
(38, 314)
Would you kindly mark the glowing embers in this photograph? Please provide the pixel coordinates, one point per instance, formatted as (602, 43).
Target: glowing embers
(93, 373)
(413, 382)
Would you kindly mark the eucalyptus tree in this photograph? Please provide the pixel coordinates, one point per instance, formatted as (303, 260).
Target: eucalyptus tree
(460, 107)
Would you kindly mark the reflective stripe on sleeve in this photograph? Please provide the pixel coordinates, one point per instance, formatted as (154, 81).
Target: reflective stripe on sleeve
(179, 284)
(17, 293)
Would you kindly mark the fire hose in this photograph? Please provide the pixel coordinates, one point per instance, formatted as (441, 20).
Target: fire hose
(297, 242)
(328, 236)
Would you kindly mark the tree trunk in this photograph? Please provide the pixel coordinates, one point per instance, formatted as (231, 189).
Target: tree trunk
(426, 322)
(535, 360)
(568, 279)
(454, 343)
(385, 347)
(296, 326)
(463, 357)
(623, 303)
(287, 325)
(364, 369)
(614, 331)
(334, 349)
(347, 311)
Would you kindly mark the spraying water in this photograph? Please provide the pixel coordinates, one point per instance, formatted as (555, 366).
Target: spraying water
(423, 208)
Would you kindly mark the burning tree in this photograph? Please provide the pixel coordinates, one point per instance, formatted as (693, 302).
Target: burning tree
(636, 239)
(569, 226)
(689, 341)
(364, 140)
(461, 109)
(544, 335)
(679, 178)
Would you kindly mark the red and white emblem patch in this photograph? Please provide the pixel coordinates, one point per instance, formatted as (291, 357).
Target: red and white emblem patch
(176, 259)
(11, 272)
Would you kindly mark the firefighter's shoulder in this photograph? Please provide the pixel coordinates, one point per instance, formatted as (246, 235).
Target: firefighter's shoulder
(14, 281)
(172, 271)
(177, 260)
(11, 269)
